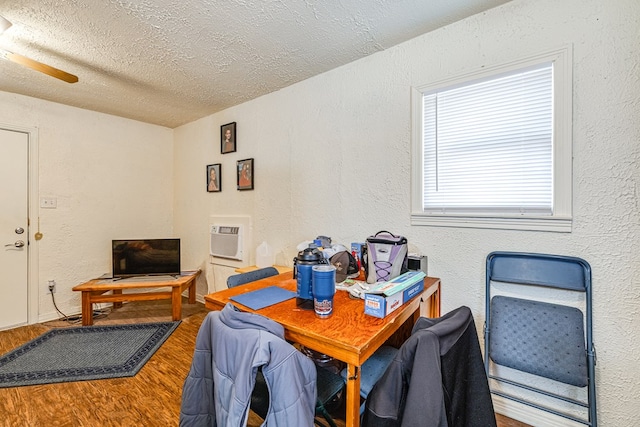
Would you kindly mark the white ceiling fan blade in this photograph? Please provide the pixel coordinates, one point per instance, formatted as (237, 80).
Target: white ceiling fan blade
(4, 24)
(39, 66)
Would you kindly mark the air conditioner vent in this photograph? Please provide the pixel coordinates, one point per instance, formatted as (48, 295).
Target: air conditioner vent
(226, 242)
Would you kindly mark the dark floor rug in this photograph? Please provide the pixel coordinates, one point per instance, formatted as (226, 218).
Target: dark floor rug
(83, 353)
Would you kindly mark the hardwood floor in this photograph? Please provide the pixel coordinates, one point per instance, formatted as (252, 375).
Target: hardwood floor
(151, 398)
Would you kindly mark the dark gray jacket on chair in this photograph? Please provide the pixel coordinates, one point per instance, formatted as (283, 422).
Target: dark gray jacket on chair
(437, 379)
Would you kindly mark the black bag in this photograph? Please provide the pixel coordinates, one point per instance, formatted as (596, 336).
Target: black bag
(386, 257)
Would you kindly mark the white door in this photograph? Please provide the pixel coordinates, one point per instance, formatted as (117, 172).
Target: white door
(14, 233)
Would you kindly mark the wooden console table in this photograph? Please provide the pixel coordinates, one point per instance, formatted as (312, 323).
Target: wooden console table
(94, 291)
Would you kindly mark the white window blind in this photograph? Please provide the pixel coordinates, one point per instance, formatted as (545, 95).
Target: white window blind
(488, 145)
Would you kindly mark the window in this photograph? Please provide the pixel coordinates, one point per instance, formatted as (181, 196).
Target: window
(493, 149)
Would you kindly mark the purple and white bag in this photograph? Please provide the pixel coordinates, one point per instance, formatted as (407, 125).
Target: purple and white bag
(387, 256)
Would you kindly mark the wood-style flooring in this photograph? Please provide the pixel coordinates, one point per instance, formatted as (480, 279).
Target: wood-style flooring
(150, 398)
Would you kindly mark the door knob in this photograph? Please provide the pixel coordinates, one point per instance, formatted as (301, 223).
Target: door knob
(17, 244)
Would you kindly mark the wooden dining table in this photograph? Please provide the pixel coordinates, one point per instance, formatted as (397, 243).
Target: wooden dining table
(347, 335)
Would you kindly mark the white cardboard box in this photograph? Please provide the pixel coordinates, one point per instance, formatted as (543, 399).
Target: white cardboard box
(386, 297)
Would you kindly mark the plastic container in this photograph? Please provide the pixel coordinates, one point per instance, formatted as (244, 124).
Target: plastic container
(323, 278)
(265, 257)
(302, 265)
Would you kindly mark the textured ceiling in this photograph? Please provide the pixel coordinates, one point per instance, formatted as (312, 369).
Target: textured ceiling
(170, 62)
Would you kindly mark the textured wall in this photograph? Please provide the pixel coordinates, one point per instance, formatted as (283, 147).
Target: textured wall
(112, 178)
(333, 154)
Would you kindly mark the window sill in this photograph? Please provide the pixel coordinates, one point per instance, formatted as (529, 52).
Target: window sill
(553, 224)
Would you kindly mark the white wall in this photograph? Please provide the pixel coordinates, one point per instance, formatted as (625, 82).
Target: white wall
(112, 178)
(332, 157)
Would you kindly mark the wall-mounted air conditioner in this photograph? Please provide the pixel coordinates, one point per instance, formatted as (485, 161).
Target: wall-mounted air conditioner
(226, 242)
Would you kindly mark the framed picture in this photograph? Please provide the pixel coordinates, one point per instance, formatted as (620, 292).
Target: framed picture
(228, 138)
(245, 174)
(214, 178)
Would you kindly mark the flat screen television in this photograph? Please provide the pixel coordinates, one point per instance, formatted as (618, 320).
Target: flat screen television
(145, 257)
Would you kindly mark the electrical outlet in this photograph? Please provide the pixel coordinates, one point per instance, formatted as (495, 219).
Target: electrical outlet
(48, 202)
(52, 286)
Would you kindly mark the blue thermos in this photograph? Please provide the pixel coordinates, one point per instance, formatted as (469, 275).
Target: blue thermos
(302, 265)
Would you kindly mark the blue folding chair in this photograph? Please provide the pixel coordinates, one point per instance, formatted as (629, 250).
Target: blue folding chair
(372, 370)
(250, 276)
(541, 335)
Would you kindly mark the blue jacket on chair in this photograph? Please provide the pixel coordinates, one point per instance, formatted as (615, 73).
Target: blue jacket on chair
(230, 347)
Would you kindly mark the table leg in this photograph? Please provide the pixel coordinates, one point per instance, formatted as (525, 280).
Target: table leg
(117, 304)
(192, 291)
(176, 303)
(87, 309)
(434, 306)
(353, 396)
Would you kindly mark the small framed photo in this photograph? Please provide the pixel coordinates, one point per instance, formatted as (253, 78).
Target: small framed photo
(214, 178)
(228, 138)
(245, 174)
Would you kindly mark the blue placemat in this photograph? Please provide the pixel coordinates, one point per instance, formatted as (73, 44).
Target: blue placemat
(265, 297)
